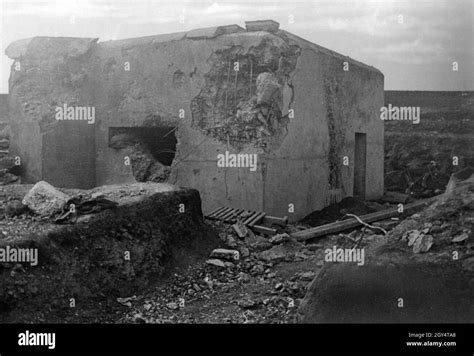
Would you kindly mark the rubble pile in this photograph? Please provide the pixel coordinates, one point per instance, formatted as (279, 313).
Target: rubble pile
(240, 277)
(111, 241)
(250, 279)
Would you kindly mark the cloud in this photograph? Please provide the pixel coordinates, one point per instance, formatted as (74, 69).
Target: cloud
(220, 9)
(368, 30)
(414, 52)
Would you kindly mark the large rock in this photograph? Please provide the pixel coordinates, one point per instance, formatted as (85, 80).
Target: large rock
(44, 199)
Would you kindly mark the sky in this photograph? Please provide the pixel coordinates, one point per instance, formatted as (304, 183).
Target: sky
(413, 42)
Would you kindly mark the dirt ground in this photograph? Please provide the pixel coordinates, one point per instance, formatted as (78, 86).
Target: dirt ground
(265, 285)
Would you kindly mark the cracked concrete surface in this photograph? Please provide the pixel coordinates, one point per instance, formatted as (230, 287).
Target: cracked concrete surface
(187, 81)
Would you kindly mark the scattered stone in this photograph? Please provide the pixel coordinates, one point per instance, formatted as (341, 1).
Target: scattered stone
(257, 270)
(301, 256)
(244, 252)
(246, 304)
(240, 229)
(231, 242)
(262, 244)
(412, 236)
(277, 239)
(44, 199)
(307, 276)
(226, 254)
(250, 238)
(423, 244)
(461, 237)
(126, 301)
(216, 262)
(243, 277)
(172, 305)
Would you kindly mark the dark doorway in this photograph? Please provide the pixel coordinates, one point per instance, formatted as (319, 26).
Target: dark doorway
(151, 150)
(160, 141)
(360, 164)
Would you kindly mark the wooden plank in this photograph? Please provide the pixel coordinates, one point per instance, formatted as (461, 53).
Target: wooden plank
(338, 226)
(222, 213)
(251, 217)
(227, 215)
(216, 211)
(276, 220)
(233, 217)
(256, 219)
(264, 230)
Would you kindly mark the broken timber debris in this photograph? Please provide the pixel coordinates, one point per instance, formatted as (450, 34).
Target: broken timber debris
(247, 218)
(338, 226)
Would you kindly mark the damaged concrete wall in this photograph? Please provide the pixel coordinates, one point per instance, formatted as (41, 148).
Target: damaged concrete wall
(211, 91)
(330, 105)
(48, 73)
(224, 109)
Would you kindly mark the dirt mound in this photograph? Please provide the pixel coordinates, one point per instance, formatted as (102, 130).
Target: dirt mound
(424, 273)
(112, 254)
(337, 211)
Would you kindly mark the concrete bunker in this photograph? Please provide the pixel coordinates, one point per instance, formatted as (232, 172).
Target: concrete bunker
(258, 90)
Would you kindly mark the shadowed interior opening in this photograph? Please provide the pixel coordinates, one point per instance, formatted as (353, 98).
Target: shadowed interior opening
(159, 141)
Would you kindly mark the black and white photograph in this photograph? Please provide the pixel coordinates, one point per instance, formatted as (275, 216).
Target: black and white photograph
(181, 165)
